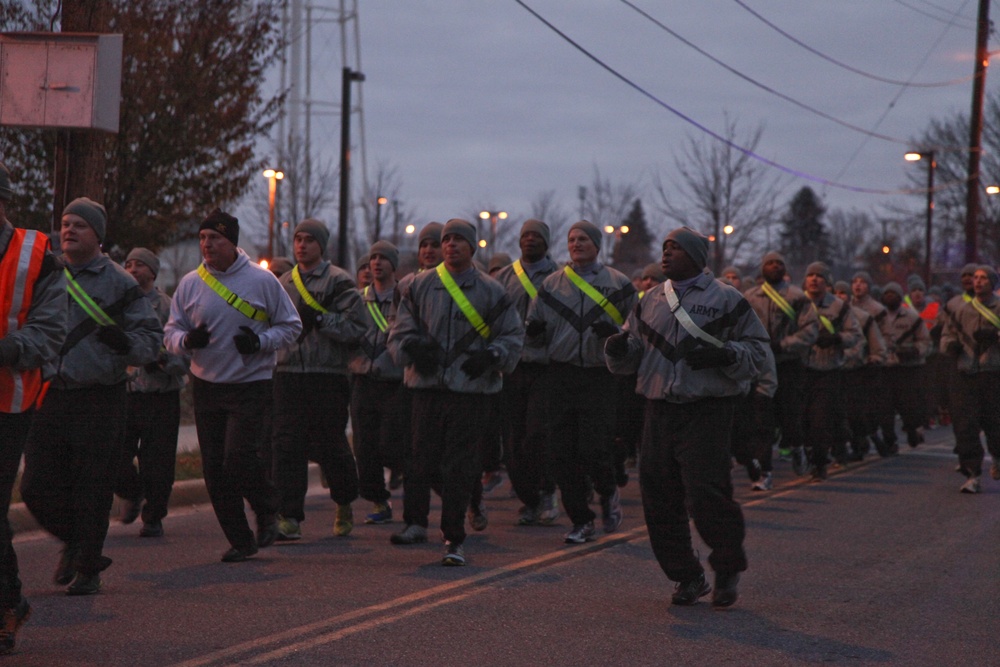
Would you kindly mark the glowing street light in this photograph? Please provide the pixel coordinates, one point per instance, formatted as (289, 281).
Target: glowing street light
(492, 216)
(272, 176)
(914, 156)
(379, 203)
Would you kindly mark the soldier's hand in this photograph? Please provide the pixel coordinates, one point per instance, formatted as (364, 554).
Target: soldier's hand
(425, 355)
(114, 337)
(9, 352)
(247, 342)
(826, 340)
(479, 362)
(709, 357)
(954, 348)
(985, 337)
(603, 329)
(197, 338)
(616, 346)
(311, 318)
(535, 328)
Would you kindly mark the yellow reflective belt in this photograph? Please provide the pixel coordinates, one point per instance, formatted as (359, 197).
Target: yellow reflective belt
(463, 303)
(85, 302)
(908, 302)
(525, 281)
(304, 293)
(375, 313)
(230, 297)
(642, 294)
(987, 314)
(827, 324)
(595, 296)
(779, 301)
(967, 298)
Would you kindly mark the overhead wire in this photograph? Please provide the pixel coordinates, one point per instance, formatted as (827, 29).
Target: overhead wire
(849, 68)
(687, 119)
(924, 12)
(762, 86)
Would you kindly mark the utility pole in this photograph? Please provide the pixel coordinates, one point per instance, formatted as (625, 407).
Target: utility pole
(976, 132)
(349, 76)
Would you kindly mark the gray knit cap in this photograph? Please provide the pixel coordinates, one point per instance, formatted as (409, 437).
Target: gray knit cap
(916, 282)
(991, 273)
(539, 227)
(864, 275)
(315, 229)
(498, 261)
(590, 229)
(820, 269)
(653, 271)
(461, 227)
(773, 255)
(93, 213)
(969, 269)
(387, 250)
(432, 231)
(147, 257)
(693, 243)
(893, 286)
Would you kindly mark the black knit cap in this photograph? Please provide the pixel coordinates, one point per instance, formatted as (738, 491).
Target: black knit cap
(223, 223)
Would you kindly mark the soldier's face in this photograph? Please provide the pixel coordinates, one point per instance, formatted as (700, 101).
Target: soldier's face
(676, 263)
(981, 284)
(77, 238)
(582, 250)
(773, 270)
(532, 246)
(891, 300)
(859, 286)
(429, 254)
(307, 249)
(815, 284)
(381, 267)
(141, 272)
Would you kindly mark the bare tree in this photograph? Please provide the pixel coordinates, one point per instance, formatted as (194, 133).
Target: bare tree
(545, 207)
(717, 186)
(606, 204)
(387, 220)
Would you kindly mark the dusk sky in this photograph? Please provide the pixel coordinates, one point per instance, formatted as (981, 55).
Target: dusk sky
(481, 104)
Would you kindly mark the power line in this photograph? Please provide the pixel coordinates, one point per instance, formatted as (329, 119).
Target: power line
(923, 12)
(764, 87)
(746, 151)
(849, 68)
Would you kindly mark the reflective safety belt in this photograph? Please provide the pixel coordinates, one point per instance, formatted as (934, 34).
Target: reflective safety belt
(525, 281)
(230, 297)
(463, 303)
(987, 314)
(685, 319)
(83, 300)
(595, 296)
(967, 298)
(779, 301)
(909, 302)
(304, 293)
(376, 314)
(827, 324)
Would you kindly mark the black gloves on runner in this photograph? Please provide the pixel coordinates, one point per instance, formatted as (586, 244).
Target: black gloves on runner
(709, 357)
(197, 338)
(114, 337)
(479, 362)
(603, 329)
(616, 346)
(425, 355)
(247, 342)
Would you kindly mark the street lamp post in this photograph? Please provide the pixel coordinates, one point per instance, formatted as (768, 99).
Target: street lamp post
(493, 216)
(726, 231)
(617, 231)
(272, 176)
(347, 78)
(379, 203)
(914, 156)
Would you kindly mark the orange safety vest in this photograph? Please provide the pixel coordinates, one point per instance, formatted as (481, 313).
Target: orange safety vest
(19, 270)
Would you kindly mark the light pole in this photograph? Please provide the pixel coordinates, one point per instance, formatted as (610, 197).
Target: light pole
(379, 203)
(726, 231)
(914, 156)
(492, 216)
(272, 176)
(349, 76)
(617, 231)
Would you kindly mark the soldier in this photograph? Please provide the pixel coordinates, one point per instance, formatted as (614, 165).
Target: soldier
(973, 338)
(455, 332)
(525, 390)
(154, 415)
(32, 327)
(907, 344)
(697, 347)
(576, 309)
(863, 368)
(793, 326)
(311, 391)
(232, 316)
(824, 419)
(379, 409)
(74, 447)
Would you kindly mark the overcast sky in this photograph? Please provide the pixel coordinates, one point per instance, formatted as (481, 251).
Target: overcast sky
(479, 103)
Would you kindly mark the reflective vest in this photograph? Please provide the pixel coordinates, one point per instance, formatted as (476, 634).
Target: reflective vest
(19, 269)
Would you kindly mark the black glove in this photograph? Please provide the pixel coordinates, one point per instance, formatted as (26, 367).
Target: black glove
(985, 337)
(709, 357)
(479, 362)
(311, 318)
(954, 348)
(114, 337)
(425, 355)
(534, 328)
(908, 353)
(197, 338)
(603, 329)
(827, 339)
(9, 352)
(616, 346)
(247, 342)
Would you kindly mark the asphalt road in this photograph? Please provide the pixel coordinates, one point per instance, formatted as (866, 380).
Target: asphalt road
(883, 564)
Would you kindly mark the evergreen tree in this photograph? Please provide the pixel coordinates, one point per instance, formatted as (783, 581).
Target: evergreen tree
(631, 250)
(803, 236)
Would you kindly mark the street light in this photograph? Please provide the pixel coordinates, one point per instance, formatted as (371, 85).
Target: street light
(914, 156)
(272, 176)
(617, 231)
(492, 216)
(379, 203)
